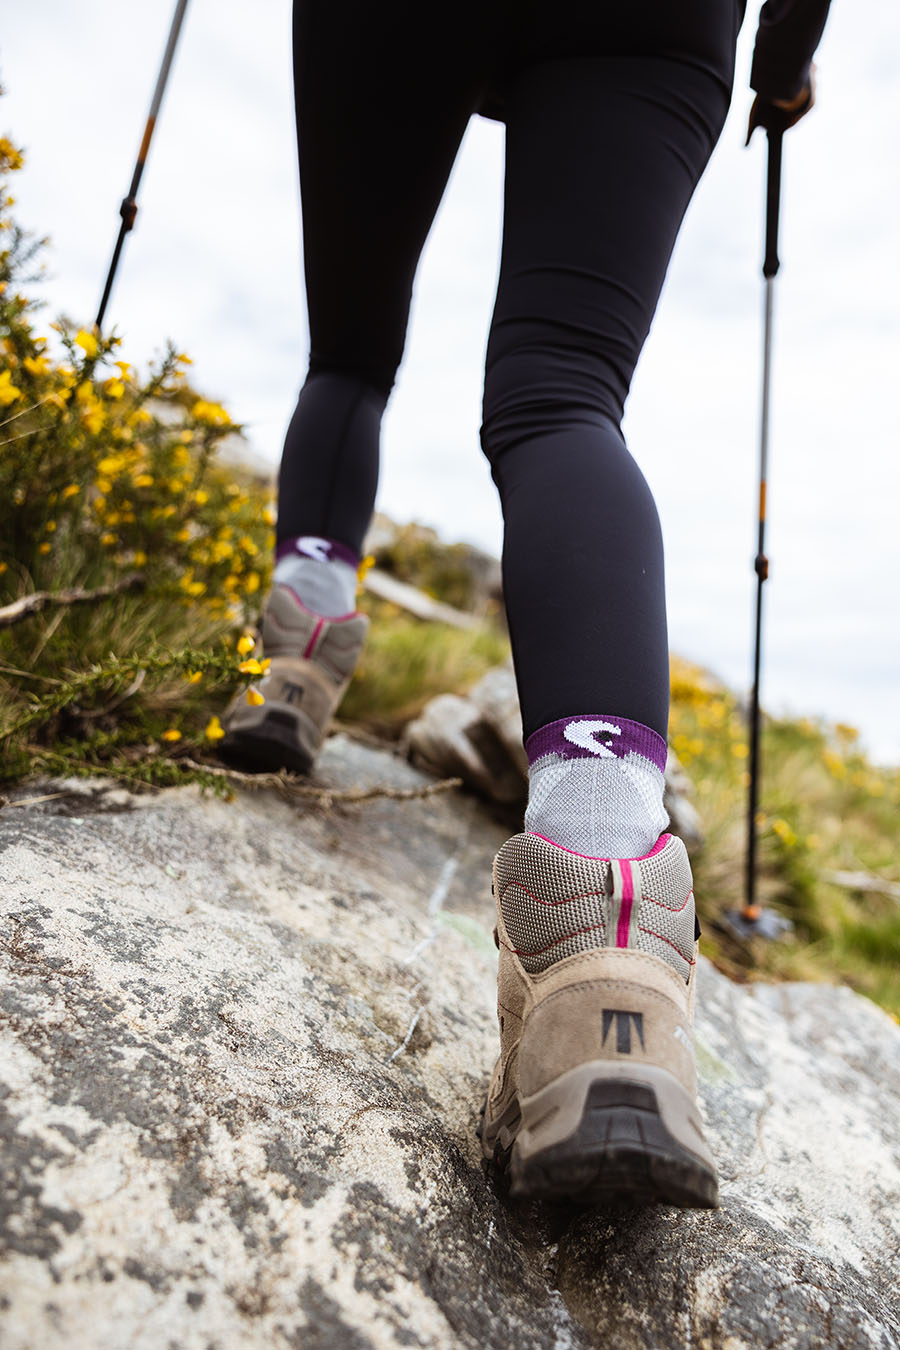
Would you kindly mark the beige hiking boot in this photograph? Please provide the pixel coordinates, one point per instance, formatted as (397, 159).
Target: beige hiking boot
(312, 663)
(594, 1096)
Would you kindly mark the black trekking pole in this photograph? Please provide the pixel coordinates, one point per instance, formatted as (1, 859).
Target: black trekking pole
(752, 920)
(128, 209)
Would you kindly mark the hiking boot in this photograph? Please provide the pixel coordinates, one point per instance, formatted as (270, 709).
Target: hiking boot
(594, 1096)
(312, 662)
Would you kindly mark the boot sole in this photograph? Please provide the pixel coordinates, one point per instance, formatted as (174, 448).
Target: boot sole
(598, 1136)
(271, 744)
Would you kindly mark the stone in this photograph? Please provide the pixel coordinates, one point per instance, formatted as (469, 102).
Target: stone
(243, 1046)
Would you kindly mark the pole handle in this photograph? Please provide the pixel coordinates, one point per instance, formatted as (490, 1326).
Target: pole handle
(773, 201)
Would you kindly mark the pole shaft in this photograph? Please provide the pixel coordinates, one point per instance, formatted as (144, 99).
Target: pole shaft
(128, 208)
(761, 562)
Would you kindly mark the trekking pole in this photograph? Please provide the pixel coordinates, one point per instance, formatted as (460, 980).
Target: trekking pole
(128, 209)
(752, 919)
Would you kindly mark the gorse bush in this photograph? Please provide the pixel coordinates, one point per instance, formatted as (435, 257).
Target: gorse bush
(110, 482)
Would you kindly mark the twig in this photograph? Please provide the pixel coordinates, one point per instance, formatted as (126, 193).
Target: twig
(288, 785)
(864, 881)
(32, 407)
(423, 606)
(33, 801)
(28, 674)
(30, 604)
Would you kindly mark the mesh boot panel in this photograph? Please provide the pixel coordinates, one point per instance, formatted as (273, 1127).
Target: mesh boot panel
(556, 903)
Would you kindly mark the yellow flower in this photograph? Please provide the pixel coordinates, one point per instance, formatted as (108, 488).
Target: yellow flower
(194, 676)
(183, 535)
(365, 566)
(87, 342)
(44, 548)
(8, 391)
(246, 644)
(254, 667)
(124, 368)
(140, 558)
(740, 750)
(50, 526)
(269, 517)
(93, 420)
(144, 480)
(114, 388)
(201, 497)
(173, 734)
(214, 730)
(71, 491)
(36, 365)
(252, 583)
(210, 414)
(183, 360)
(108, 539)
(784, 832)
(254, 697)
(10, 157)
(3, 568)
(247, 544)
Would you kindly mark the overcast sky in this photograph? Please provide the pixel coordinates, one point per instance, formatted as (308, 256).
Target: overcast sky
(214, 263)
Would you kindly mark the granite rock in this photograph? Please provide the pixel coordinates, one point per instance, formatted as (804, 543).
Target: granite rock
(243, 1045)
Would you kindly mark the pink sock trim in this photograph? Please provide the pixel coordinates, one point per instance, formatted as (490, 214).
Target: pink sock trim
(318, 548)
(597, 736)
(657, 848)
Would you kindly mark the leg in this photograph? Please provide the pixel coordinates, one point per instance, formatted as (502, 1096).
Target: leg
(603, 156)
(381, 109)
(594, 1094)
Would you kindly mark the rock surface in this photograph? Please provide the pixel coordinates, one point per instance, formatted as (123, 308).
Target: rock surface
(242, 1050)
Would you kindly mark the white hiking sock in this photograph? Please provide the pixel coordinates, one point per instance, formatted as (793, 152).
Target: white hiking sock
(320, 572)
(595, 785)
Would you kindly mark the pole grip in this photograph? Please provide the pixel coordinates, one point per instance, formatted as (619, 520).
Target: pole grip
(773, 201)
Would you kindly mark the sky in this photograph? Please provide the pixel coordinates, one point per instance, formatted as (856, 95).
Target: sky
(214, 263)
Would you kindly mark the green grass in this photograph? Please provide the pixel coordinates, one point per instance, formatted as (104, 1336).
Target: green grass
(406, 662)
(824, 808)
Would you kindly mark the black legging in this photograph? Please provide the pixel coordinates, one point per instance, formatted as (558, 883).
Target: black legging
(612, 112)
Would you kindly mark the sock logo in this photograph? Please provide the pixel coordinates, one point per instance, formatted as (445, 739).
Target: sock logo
(582, 734)
(623, 1022)
(313, 547)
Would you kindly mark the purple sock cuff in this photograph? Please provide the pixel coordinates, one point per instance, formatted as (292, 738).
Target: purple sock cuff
(317, 548)
(597, 737)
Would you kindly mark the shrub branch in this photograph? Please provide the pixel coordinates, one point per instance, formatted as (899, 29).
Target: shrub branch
(38, 600)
